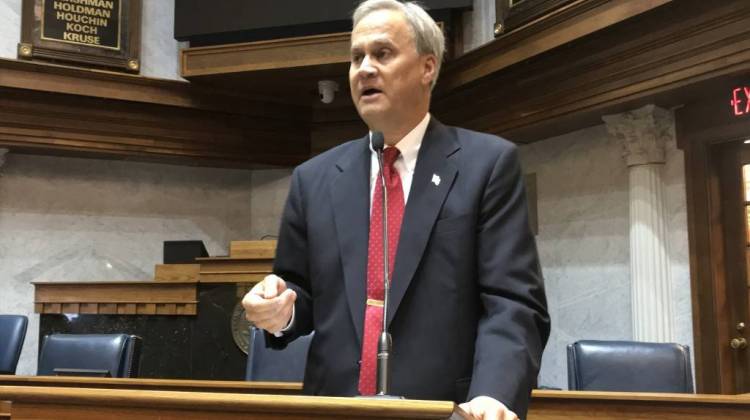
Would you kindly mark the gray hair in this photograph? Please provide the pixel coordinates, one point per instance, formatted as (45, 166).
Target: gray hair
(428, 36)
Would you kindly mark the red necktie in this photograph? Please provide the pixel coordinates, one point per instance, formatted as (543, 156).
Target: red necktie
(374, 307)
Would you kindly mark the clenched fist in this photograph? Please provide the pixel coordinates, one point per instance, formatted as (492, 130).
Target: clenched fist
(269, 304)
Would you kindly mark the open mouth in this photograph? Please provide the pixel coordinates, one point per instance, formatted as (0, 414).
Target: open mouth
(370, 92)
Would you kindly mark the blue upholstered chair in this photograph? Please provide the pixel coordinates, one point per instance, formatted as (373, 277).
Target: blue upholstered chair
(629, 366)
(115, 355)
(267, 364)
(12, 335)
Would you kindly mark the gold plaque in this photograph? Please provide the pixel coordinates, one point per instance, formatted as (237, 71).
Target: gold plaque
(94, 33)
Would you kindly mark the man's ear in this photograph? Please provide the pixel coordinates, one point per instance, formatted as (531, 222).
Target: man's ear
(429, 69)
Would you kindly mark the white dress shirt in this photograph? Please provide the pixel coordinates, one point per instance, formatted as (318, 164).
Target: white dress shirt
(406, 161)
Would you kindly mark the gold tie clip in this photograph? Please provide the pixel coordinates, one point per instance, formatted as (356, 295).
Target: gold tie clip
(375, 302)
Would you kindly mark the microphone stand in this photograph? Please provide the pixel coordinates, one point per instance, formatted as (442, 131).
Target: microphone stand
(385, 343)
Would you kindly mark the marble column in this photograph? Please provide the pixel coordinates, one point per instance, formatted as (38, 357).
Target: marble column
(644, 133)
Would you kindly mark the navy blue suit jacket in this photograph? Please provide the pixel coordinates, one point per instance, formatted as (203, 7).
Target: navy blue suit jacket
(468, 311)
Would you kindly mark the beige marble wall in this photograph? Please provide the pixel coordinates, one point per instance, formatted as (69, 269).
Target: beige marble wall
(582, 185)
(479, 24)
(679, 254)
(10, 27)
(160, 52)
(270, 188)
(69, 219)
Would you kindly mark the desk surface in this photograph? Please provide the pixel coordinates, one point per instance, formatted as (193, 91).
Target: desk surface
(248, 387)
(43, 402)
(592, 405)
(545, 405)
(654, 397)
(243, 387)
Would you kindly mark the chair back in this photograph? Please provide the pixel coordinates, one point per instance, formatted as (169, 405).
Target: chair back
(12, 336)
(267, 364)
(115, 355)
(629, 366)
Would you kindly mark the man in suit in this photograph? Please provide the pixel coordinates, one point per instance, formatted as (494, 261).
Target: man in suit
(467, 311)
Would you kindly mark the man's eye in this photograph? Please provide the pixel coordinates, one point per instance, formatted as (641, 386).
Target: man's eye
(384, 53)
(356, 58)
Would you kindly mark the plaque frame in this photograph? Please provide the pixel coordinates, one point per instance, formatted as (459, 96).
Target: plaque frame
(125, 58)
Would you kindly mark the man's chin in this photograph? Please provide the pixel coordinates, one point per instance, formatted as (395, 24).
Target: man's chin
(372, 116)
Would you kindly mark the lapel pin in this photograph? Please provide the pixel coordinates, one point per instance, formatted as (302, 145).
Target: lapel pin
(435, 179)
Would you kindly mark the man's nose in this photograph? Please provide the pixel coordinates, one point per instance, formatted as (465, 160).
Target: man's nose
(366, 69)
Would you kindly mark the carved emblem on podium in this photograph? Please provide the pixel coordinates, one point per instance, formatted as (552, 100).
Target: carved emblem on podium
(240, 328)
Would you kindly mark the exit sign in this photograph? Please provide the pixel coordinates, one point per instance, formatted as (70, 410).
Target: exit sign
(740, 101)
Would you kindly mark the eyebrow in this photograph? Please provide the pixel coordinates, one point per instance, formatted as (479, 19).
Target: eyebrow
(377, 43)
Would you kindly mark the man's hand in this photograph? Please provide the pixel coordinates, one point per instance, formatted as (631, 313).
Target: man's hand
(269, 304)
(486, 408)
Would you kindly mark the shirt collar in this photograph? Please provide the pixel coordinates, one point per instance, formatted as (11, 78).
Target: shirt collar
(409, 145)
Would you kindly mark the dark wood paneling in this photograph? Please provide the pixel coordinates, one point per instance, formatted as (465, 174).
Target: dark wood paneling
(51, 78)
(729, 157)
(525, 11)
(273, 116)
(708, 133)
(266, 55)
(563, 25)
(48, 122)
(60, 110)
(660, 55)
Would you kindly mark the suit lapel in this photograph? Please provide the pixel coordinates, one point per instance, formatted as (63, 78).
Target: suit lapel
(350, 194)
(433, 178)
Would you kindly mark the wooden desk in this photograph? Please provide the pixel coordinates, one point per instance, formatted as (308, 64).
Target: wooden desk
(36, 403)
(4, 410)
(241, 387)
(247, 262)
(545, 405)
(559, 405)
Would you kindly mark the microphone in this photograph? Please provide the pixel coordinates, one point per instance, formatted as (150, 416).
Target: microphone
(385, 343)
(378, 141)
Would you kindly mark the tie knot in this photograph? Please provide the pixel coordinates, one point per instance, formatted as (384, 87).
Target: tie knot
(390, 154)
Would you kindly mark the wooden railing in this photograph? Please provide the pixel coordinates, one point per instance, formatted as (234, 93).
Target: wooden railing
(77, 403)
(146, 384)
(67, 398)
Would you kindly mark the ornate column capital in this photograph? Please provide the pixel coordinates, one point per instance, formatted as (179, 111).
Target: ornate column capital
(3, 152)
(644, 133)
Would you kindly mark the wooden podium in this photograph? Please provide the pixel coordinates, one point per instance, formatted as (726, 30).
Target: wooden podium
(183, 313)
(53, 397)
(37, 403)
